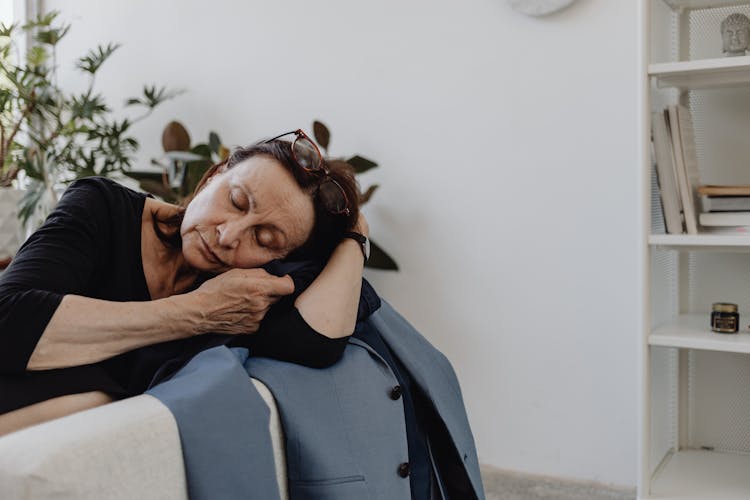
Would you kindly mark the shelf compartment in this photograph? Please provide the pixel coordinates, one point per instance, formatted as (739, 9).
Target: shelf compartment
(703, 4)
(702, 73)
(702, 474)
(692, 331)
(735, 243)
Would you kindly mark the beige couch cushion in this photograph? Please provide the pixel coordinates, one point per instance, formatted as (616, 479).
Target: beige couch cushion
(127, 449)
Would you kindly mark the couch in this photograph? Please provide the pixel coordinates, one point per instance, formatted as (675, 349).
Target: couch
(123, 450)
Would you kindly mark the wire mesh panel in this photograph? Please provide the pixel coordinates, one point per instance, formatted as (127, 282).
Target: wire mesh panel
(721, 120)
(664, 303)
(719, 401)
(664, 376)
(663, 403)
(719, 277)
(705, 30)
(663, 33)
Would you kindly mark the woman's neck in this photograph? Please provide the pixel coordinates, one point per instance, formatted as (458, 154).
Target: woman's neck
(167, 273)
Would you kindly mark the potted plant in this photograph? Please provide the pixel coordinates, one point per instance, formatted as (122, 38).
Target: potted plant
(49, 136)
(182, 166)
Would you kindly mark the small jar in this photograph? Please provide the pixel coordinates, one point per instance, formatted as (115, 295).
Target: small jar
(725, 318)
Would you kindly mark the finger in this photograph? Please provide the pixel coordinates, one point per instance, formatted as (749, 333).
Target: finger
(280, 286)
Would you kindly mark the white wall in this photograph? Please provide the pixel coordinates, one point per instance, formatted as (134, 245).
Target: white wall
(508, 153)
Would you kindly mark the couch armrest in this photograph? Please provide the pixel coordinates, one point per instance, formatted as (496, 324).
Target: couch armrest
(126, 449)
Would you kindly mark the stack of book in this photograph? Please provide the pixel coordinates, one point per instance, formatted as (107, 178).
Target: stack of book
(726, 209)
(676, 168)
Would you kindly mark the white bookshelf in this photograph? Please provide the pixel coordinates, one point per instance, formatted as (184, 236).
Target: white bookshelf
(692, 331)
(702, 474)
(702, 4)
(701, 242)
(694, 405)
(702, 74)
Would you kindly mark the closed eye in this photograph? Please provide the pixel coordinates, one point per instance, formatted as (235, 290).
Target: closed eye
(236, 202)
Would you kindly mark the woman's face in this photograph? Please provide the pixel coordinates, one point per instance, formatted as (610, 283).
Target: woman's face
(246, 216)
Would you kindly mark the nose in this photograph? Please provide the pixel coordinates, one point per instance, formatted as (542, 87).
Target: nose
(229, 234)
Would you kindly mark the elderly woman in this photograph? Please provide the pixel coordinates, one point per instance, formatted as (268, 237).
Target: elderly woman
(117, 291)
(117, 283)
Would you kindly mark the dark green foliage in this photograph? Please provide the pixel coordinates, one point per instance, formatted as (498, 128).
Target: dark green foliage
(91, 62)
(322, 135)
(379, 258)
(189, 167)
(360, 164)
(68, 135)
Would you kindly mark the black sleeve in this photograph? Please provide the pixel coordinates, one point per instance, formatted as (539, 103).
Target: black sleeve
(285, 335)
(57, 259)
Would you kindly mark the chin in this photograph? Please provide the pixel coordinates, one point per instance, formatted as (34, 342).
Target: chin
(195, 259)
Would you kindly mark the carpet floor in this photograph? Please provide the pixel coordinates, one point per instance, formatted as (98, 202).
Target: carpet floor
(504, 485)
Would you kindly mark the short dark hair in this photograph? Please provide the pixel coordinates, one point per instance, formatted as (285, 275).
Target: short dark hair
(328, 228)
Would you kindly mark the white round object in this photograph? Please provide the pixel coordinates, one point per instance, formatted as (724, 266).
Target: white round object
(539, 7)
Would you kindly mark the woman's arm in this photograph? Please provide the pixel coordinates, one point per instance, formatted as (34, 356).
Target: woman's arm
(84, 330)
(330, 303)
(47, 321)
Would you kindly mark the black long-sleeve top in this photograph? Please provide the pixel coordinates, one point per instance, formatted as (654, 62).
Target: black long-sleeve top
(90, 245)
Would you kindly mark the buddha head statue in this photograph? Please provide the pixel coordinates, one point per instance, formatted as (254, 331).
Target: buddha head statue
(735, 34)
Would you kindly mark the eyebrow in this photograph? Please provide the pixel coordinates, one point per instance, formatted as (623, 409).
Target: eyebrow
(254, 205)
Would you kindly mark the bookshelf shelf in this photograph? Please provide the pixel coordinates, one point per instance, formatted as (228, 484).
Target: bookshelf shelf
(703, 4)
(692, 331)
(702, 73)
(694, 474)
(701, 242)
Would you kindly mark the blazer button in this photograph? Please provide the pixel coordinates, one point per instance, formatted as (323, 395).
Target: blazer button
(403, 469)
(396, 392)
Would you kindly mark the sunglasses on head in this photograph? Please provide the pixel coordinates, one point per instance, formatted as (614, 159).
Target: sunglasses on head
(307, 157)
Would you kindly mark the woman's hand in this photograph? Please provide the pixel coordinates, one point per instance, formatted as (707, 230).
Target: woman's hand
(236, 301)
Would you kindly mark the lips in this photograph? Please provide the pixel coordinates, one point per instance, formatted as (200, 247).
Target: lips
(209, 253)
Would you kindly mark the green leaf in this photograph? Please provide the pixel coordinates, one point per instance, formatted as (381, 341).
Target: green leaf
(360, 164)
(132, 101)
(30, 201)
(51, 36)
(193, 174)
(202, 149)
(379, 259)
(155, 96)
(42, 20)
(214, 142)
(36, 56)
(87, 106)
(7, 31)
(322, 134)
(91, 62)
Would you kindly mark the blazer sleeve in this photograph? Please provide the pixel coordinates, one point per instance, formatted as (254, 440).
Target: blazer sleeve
(58, 259)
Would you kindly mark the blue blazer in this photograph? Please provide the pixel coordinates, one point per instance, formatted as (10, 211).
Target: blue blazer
(345, 437)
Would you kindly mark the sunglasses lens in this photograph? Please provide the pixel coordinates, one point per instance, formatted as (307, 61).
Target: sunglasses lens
(332, 196)
(306, 154)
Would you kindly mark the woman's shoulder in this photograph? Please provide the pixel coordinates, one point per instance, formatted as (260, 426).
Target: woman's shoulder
(103, 193)
(102, 186)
